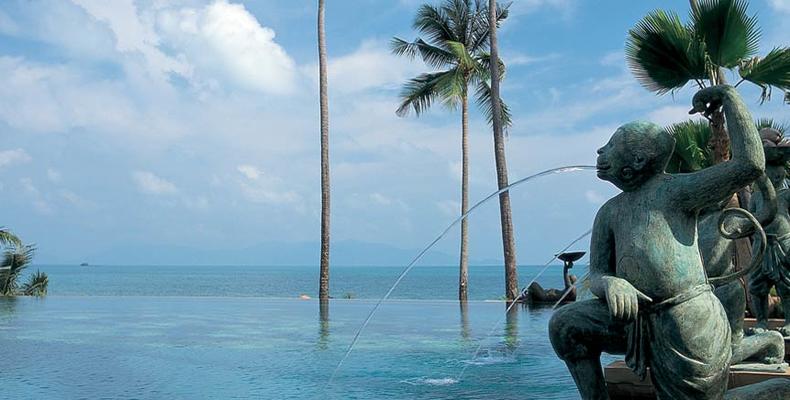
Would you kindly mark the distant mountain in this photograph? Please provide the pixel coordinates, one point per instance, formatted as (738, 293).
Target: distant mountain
(351, 253)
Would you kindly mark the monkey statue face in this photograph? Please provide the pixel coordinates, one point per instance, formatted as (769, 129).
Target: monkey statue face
(777, 174)
(635, 153)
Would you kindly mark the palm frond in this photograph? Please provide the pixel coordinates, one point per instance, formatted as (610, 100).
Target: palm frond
(481, 29)
(462, 57)
(773, 70)
(483, 99)
(692, 152)
(663, 53)
(420, 93)
(782, 127)
(728, 32)
(459, 13)
(433, 56)
(8, 239)
(15, 260)
(36, 285)
(434, 23)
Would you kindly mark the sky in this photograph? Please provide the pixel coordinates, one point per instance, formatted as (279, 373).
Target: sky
(133, 126)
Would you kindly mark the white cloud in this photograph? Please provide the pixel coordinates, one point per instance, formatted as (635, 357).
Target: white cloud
(39, 203)
(371, 66)
(225, 40)
(54, 175)
(521, 59)
(780, 5)
(594, 197)
(132, 35)
(15, 156)
(260, 187)
(251, 172)
(669, 115)
(149, 183)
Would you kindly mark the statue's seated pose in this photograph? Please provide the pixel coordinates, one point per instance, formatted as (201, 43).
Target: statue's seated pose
(654, 302)
(775, 271)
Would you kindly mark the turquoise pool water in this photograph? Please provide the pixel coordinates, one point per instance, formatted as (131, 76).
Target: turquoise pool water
(256, 348)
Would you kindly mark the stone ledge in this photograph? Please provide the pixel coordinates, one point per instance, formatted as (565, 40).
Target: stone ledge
(624, 384)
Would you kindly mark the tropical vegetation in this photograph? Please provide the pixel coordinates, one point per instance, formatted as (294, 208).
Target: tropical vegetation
(505, 217)
(692, 143)
(455, 45)
(16, 259)
(665, 54)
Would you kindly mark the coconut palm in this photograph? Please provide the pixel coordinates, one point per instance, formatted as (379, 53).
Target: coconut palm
(455, 46)
(665, 54)
(8, 239)
(15, 260)
(323, 291)
(505, 216)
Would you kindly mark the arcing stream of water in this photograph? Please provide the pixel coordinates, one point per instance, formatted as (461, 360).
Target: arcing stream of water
(419, 256)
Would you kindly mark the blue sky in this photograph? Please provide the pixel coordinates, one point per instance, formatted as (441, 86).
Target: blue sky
(194, 124)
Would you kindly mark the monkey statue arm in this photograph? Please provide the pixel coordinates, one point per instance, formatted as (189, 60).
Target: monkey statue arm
(621, 297)
(702, 188)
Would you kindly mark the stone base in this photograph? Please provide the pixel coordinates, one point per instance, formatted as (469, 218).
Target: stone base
(624, 384)
(773, 323)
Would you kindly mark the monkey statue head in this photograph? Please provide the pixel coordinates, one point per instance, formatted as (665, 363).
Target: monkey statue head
(636, 152)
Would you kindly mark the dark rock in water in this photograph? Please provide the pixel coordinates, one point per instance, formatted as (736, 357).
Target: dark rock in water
(772, 389)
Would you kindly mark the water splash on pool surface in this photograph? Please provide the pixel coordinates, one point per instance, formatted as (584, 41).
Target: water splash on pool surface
(431, 381)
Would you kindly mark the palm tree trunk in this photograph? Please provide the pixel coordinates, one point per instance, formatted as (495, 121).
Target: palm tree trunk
(463, 273)
(505, 216)
(323, 291)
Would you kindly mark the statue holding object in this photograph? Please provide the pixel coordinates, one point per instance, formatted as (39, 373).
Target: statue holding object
(654, 298)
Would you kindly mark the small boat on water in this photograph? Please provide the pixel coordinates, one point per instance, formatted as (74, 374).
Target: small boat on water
(84, 264)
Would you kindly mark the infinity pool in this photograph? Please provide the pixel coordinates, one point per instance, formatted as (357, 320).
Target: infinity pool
(238, 348)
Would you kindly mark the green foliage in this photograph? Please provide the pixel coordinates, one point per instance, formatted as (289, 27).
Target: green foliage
(456, 43)
(728, 33)
(665, 54)
(36, 285)
(15, 260)
(8, 239)
(782, 127)
(691, 146)
(773, 69)
(692, 151)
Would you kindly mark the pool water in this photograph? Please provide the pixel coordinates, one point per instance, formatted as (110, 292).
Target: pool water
(125, 347)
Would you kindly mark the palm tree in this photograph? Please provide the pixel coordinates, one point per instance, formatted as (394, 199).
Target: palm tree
(15, 260)
(323, 291)
(692, 150)
(505, 216)
(665, 54)
(455, 45)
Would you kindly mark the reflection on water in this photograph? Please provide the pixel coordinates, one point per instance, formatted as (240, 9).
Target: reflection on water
(166, 348)
(511, 325)
(323, 330)
(465, 330)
